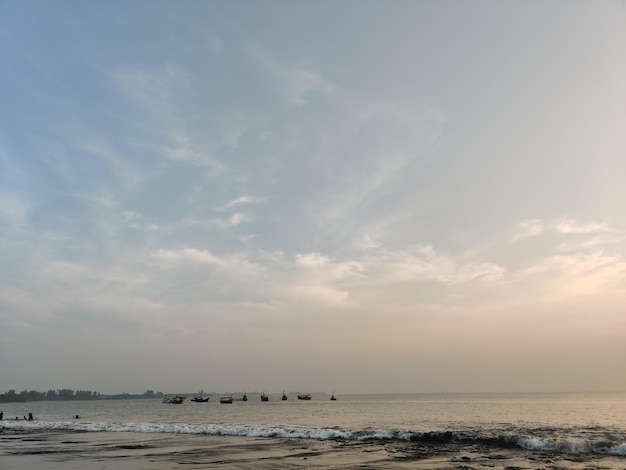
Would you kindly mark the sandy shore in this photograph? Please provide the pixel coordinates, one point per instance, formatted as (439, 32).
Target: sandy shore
(134, 451)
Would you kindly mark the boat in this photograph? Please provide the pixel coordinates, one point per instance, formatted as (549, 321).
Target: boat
(177, 400)
(226, 400)
(332, 397)
(264, 397)
(284, 397)
(200, 399)
(245, 397)
(304, 397)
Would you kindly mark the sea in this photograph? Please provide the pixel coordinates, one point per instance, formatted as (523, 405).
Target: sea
(581, 424)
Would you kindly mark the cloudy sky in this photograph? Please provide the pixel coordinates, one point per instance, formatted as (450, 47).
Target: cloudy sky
(359, 196)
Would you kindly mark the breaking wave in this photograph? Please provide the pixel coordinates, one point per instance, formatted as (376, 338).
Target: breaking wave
(609, 444)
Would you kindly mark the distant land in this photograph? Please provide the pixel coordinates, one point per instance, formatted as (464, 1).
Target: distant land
(68, 394)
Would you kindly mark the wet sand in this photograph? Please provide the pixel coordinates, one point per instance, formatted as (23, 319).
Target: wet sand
(134, 451)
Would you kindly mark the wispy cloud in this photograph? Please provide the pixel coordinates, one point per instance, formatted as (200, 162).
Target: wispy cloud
(155, 88)
(14, 208)
(71, 273)
(592, 244)
(300, 83)
(528, 228)
(189, 254)
(579, 275)
(26, 309)
(15, 200)
(369, 189)
(426, 264)
(296, 84)
(241, 201)
(111, 155)
(179, 147)
(563, 225)
(237, 219)
(567, 225)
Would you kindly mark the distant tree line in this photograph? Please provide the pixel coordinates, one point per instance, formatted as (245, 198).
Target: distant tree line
(61, 394)
(127, 396)
(68, 394)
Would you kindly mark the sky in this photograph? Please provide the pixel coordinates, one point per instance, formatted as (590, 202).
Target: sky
(359, 196)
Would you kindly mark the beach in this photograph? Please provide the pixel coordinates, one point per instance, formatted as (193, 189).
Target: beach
(412, 431)
(138, 451)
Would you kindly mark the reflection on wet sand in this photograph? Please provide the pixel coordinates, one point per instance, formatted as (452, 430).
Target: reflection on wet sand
(135, 451)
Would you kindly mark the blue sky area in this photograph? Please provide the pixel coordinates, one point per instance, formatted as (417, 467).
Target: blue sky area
(359, 196)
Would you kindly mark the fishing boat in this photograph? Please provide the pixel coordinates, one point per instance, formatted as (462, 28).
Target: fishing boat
(200, 399)
(284, 397)
(177, 400)
(264, 397)
(304, 397)
(226, 400)
(332, 397)
(245, 397)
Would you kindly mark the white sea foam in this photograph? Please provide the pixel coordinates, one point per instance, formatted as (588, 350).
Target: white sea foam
(533, 443)
(618, 449)
(251, 430)
(570, 445)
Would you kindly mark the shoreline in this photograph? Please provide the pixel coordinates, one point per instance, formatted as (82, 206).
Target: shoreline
(156, 451)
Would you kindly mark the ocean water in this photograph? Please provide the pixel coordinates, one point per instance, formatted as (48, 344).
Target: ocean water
(561, 423)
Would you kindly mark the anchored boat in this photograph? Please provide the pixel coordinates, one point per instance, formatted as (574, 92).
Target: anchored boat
(200, 399)
(177, 400)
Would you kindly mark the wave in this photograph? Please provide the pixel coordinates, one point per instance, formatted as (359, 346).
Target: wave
(564, 445)
(608, 445)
